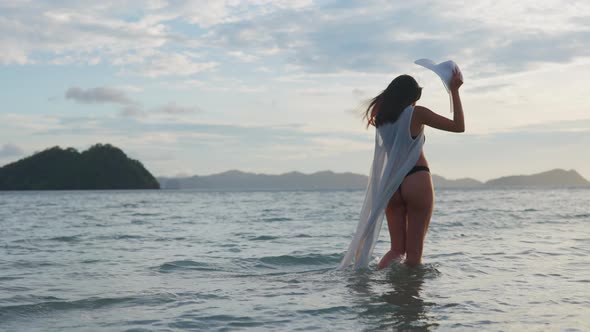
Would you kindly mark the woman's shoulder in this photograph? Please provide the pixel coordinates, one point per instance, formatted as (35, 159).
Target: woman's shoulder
(420, 111)
(420, 108)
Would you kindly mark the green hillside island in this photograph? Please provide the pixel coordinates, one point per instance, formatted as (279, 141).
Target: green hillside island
(102, 166)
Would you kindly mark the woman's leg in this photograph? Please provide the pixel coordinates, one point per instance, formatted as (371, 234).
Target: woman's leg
(418, 195)
(396, 222)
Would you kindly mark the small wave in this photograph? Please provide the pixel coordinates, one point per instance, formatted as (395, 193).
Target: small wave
(476, 210)
(201, 296)
(126, 236)
(276, 219)
(119, 237)
(324, 311)
(47, 307)
(497, 253)
(10, 278)
(28, 241)
(140, 322)
(451, 254)
(73, 238)
(33, 264)
(129, 205)
(264, 238)
(51, 306)
(139, 214)
(303, 236)
(451, 224)
(166, 239)
(202, 323)
(311, 259)
(185, 265)
(30, 298)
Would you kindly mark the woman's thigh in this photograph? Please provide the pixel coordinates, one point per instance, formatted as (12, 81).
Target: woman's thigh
(418, 195)
(396, 223)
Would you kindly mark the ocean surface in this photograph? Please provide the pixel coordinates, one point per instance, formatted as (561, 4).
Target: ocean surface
(495, 260)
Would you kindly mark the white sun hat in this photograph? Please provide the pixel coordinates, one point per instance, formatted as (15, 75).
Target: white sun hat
(444, 70)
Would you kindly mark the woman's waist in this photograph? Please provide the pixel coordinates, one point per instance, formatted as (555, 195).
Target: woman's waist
(422, 160)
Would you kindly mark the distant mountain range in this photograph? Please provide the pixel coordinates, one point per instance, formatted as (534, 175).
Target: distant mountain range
(328, 180)
(237, 180)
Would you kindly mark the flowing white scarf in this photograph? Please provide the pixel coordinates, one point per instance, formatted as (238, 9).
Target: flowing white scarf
(396, 152)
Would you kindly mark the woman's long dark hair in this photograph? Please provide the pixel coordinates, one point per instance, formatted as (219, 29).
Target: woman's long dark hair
(389, 104)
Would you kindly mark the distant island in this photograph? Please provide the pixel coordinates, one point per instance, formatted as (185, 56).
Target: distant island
(328, 180)
(556, 177)
(102, 166)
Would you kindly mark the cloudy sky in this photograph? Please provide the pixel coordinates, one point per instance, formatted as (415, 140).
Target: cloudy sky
(271, 86)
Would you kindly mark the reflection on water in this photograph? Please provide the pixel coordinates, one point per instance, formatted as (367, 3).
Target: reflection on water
(391, 299)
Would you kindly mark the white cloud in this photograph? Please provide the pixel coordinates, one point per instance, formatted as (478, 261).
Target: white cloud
(521, 17)
(74, 33)
(10, 150)
(173, 65)
(207, 13)
(243, 57)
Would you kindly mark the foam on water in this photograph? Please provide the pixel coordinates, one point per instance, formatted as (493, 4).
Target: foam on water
(495, 260)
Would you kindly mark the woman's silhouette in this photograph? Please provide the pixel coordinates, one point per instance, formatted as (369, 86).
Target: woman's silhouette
(400, 181)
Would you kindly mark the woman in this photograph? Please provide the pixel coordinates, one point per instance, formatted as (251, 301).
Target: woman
(400, 181)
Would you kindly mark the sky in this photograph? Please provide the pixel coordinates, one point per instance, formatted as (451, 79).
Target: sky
(273, 86)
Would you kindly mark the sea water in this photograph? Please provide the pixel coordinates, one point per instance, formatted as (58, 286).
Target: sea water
(495, 260)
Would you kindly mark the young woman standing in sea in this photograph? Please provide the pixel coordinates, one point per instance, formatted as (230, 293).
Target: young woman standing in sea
(409, 210)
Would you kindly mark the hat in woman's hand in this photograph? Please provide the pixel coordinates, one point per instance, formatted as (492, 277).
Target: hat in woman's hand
(444, 70)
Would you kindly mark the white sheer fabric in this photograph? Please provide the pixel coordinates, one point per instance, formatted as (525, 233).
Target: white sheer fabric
(395, 155)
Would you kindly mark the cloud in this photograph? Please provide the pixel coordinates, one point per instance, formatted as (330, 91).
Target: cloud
(554, 128)
(211, 13)
(121, 33)
(132, 111)
(359, 93)
(489, 38)
(100, 95)
(10, 150)
(173, 64)
(173, 108)
(73, 32)
(525, 17)
(243, 57)
(487, 88)
(252, 136)
(130, 107)
(382, 36)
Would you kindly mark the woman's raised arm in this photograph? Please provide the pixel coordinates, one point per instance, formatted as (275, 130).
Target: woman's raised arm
(427, 117)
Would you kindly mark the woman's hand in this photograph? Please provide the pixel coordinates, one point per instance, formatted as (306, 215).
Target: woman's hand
(457, 80)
